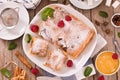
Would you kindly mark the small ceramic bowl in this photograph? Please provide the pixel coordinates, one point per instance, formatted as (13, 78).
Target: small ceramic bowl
(115, 20)
(104, 63)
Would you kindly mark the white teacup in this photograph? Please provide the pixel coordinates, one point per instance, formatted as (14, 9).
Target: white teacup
(9, 17)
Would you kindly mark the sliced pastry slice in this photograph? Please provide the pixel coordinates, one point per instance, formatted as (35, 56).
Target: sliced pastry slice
(67, 31)
(56, 59)
(39, 47)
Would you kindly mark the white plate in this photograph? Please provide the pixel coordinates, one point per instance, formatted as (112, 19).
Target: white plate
(84, 4)
(19, 29)
(79, 62)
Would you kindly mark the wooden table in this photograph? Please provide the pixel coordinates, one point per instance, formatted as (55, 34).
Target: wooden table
(6, 55)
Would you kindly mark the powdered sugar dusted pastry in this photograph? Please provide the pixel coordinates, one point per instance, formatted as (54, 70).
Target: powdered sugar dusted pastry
(56, 59)
(66, 31)
(39, 47)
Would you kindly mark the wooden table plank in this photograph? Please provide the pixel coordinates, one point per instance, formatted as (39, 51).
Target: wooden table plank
(101, 29)
(6, 55)
(41, 5)
(2, 55)
(117, 30)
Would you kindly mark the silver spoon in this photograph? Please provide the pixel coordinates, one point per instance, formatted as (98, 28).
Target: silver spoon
(115, 42)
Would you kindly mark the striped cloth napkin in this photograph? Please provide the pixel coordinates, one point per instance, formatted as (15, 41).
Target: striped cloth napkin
(29, 4)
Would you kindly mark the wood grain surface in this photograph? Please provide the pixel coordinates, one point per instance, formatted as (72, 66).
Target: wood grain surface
(6, 55)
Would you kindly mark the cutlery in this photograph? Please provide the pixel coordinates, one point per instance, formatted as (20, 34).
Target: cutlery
(115, 42)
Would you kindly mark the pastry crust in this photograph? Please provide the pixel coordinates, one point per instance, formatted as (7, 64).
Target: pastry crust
(39, 47)
(75, 54)
(73, 38)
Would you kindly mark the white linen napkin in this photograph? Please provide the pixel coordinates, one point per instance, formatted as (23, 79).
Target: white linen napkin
(101, 42)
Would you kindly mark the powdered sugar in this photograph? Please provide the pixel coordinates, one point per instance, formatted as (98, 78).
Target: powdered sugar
(39, 47)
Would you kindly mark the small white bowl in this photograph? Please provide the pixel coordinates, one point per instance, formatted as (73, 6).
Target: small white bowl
(112, 21)
(108, 64)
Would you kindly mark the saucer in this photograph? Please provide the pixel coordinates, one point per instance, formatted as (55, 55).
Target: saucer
(19, 29)
(84, 5)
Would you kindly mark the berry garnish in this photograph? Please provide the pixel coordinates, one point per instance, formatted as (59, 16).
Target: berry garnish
(34, 28)
(35, 71)
(115, 56)
(69, 63)
(101, 78)
(61, 24)
(68, 18)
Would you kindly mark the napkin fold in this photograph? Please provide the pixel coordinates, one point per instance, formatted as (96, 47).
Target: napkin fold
(101, 42)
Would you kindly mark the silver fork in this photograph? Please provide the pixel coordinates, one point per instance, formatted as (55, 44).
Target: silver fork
(115, 42)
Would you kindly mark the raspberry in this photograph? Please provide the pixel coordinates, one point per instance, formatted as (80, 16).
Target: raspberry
(101, 78)
(35, 71)
(115, 56)
(68, 18)
(34, 28)
(61, 24)
(69, 63)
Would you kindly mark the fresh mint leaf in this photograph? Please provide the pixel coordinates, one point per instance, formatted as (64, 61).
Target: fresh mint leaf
(103, 14)
(87, 71)
(119, 34)
(12, 46)
(5, 72)
(47, 12)
(28, 38)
